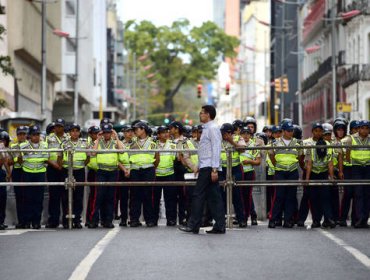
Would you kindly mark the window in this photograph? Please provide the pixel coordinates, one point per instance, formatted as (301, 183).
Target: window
(70, 45)
(70, 7)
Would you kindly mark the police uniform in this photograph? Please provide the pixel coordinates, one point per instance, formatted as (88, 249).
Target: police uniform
(142, 169)
(286, 168)
(236, 173)
(249, 175)
(164, 173)
(17, 176)
(4, 140)
(103, 200)
(322, 167)
(56, 193)
(34, 170)
(361, 171)
(124, 159)
(79, 162)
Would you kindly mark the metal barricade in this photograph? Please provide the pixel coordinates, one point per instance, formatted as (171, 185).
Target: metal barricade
(70, 182)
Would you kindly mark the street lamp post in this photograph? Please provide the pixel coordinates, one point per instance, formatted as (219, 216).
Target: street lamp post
(75, 103)
(333, 58)
(43, 57)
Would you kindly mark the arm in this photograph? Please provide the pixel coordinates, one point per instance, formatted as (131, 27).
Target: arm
(157, 159)
(331, 170)
(308, 169)
(340, 166)
(256, 161)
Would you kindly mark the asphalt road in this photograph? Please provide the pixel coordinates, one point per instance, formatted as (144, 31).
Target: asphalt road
(167, 253)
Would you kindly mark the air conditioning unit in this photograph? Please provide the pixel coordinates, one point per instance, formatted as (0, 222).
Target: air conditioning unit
(2, 10)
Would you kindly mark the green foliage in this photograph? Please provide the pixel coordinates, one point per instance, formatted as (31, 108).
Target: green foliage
(177, 55)
(5, 63)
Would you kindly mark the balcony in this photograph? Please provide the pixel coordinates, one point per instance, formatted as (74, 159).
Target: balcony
(323, 69)
(314, 18)
(354, 74)
(362, 5)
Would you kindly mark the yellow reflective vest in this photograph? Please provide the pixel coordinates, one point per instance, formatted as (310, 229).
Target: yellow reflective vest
(360, 157)
(166, 162)
(34, 162)
(79, 158)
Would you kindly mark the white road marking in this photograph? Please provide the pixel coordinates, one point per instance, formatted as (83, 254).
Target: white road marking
(84, 267)
(361, 257)
(21, 231)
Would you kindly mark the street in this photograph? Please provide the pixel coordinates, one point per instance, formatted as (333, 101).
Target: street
(167, 253)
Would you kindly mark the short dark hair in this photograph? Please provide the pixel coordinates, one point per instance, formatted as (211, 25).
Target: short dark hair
(211, 110)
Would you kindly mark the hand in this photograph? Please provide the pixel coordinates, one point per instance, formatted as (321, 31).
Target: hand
(127, 173)
(114, 135)
(214, 176)
(8, 178)
(247, 161)
(100, 135)
(341, 175)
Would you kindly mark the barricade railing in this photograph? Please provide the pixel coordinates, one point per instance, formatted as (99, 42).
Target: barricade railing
(229, 182)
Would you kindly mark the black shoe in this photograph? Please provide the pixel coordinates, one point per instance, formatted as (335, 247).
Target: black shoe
(243, 224)
(328, 224)
(207, 224)
(188, 229)
(19, 226)
(135, 224)
(27, 226)
(36, 226)
(123, 224)
(49, 225)
(183, 223)
(254, 222)
(108, 225)
(92, 225)
(117, 217)
(279, 223)
(361, 224)
(151, 224)
(216, 231)
(300, 224)
(2, 227)
(288, 225)
(315, 224)
(342, 223)
(77, 225)
(171, 223)
(65, 226)
(272, 224)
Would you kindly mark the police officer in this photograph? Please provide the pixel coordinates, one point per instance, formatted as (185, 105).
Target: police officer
(227, 143)
(249, 159)
(4, 142)
(17, 174)
(286, 162)
(360, 171)
(143, 166)
(348, 191)
(80, 159)
(319, 166)
(124, 165)
(34, 170)
(107, 172)
(164, 173)
(56, 193)
(92, 167)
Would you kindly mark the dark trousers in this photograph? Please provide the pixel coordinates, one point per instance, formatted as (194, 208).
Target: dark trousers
(284, 197)
(91, 177)
(3, 195)
(170, 198)
(348, 196)
(361, 193)
(305, 204)
(269, 193)
(78, 195)
(142, 196)
(103, 197)
(123, 197)
(19, 194)
(34, 197)
(206, 189)
(321, 199)
(247, 194)
(334, 200)
(57, 198)
(236, 193)
(182, 193)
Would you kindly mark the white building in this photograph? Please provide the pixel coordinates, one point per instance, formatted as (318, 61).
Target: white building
(91, 75)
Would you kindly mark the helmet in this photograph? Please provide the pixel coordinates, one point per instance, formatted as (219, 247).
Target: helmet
(287, 126)
(297, 132)
(227, 127)
(339, 124)
(262, 136)
(4, 136)
(93, 129)
(74, 125)
(342, 119)
(140, 124)
(178, 125)
(276, 128)
(60, 122)
(22, 129)
(267, 127)
(246, 129)
(285, 121)
(187, 130)
(162, 128)
(105, 121)
(35, 129)
(237, 124)
(327, 127)
(251, 120)
(354, 124)
(50, 127)
(126, 128)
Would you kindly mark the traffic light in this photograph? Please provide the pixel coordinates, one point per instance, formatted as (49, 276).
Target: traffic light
(166, 118)
(277, 85)
(285, 85)
(227, 88)
(199, 90)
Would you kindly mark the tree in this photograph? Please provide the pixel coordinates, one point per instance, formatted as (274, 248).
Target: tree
(5, 65)
(178, 54)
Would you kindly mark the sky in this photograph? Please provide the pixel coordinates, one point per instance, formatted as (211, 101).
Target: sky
(164, 12)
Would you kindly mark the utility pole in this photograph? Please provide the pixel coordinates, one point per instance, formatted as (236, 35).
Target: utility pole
(75, 103)
(134, 86)
(282, 64)
(299, 66)
(43, 57)
(333, 58)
